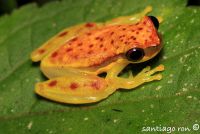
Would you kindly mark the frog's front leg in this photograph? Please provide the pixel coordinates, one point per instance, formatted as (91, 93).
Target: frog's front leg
(146, 75)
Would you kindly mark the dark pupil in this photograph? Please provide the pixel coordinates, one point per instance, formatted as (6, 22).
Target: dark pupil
(135, 54)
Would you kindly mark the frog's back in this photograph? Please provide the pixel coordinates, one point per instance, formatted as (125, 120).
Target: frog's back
(98, 46)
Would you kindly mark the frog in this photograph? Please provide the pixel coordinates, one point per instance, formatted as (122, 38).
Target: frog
(74, 58)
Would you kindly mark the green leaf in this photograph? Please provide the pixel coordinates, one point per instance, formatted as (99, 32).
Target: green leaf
(172, 102)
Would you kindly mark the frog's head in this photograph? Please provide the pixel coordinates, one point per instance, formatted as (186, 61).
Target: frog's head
(148, 44)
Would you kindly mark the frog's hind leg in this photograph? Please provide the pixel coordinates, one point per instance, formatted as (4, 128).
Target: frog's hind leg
(61, 38)
(78, 89)
(131, 19)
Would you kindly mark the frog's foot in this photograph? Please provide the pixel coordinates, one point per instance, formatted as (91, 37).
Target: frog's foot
(146, 75)
(75, 90)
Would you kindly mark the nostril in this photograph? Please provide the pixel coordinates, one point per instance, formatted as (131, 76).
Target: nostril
(155, 21)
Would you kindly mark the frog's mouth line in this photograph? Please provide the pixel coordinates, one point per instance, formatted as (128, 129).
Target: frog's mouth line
(151, 52)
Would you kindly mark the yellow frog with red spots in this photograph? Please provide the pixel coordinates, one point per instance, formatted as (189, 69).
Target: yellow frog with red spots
(74, 58)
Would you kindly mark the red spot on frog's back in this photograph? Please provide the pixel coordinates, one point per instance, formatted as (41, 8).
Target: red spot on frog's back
(103, 43)
(63, 34)
(96, 85)
(73, 86)
(52, 83)
(90, 24)
(55, 54)
(41, 51)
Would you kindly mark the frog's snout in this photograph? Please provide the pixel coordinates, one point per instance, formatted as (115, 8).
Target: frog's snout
(155, 21)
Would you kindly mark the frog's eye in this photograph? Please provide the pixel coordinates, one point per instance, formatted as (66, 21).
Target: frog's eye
(135, 54)
(155, 21)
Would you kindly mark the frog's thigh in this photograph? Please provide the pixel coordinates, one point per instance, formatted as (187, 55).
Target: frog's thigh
(61, 38)
(130, 19)
(76, 90)
(146, 75)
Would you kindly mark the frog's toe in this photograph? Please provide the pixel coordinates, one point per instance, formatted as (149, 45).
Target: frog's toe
(148, 75)
(146, 69)
(75, 90)
(157, 69)
(130, 74)
(152, 78)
